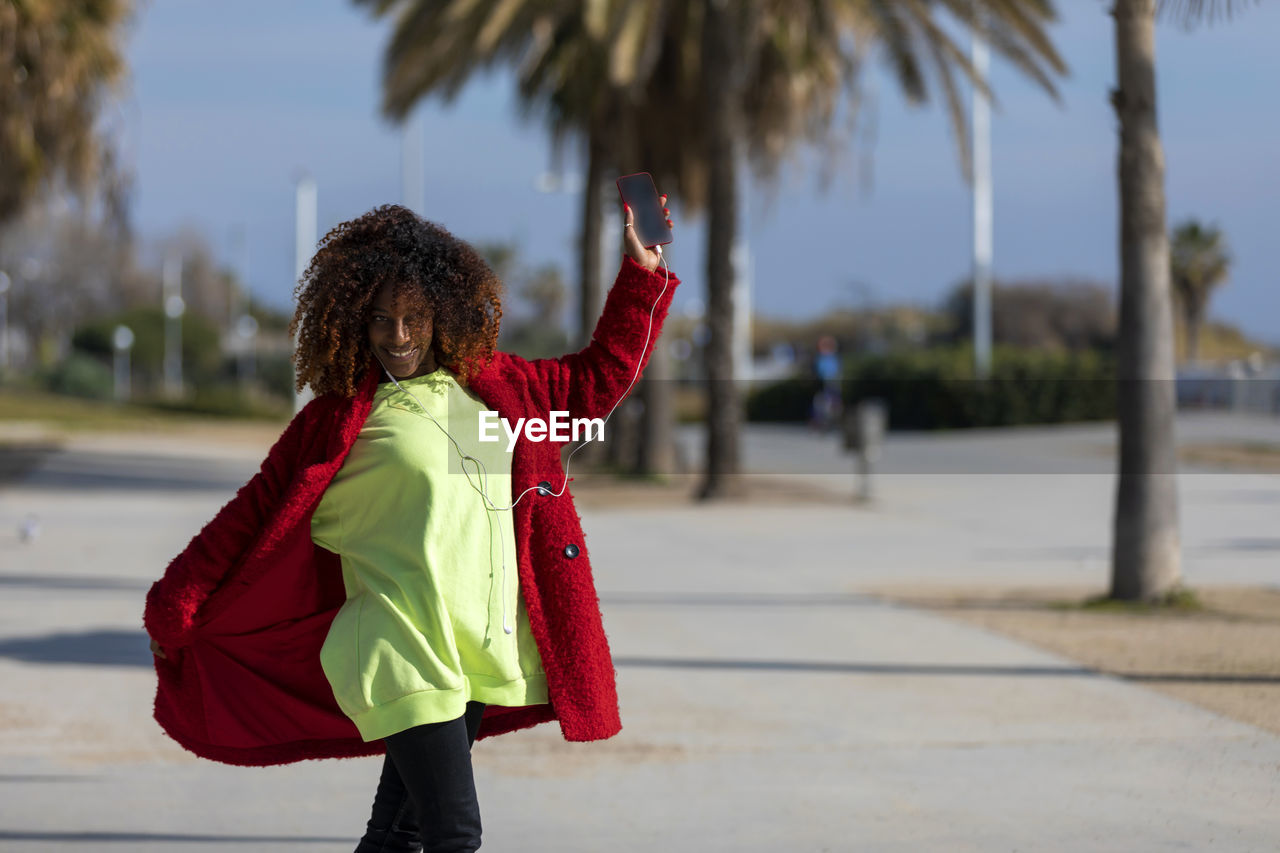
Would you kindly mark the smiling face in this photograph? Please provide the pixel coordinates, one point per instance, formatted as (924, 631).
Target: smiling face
(402, 341)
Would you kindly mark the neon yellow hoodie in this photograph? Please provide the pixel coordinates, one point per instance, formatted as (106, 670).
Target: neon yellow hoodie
(421, 631)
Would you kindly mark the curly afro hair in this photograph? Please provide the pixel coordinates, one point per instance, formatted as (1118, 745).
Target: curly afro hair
(433, 272)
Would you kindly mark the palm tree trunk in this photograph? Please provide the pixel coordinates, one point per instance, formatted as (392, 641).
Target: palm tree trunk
(590, 284)
(720, 478)
(1193, 323)
(591, 299)
(657, 451)
(1145, 560)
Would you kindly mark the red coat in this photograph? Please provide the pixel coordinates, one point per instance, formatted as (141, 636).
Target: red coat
(243, 610)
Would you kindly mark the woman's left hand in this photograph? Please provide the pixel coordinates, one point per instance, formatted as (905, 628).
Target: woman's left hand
(647, 258)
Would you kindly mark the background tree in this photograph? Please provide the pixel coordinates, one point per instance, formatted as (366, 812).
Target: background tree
(64, 266)
(1146, 551)
(1064, 314)
(1198, 263)
(534, 305)
(208, 287)
(203, 361)
(60, 59)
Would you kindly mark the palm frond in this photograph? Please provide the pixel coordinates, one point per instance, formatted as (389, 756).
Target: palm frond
(1190, 13)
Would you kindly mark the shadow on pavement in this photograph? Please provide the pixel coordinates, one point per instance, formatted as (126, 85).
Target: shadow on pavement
(130, 648)
(20, 459)
(980, 670)
(855, 668)
(81, 470)
(1202, 678)
(695, 599)
(89, 837)
(1244, 544)
(1250, 496)
(95, 648)
(76, 582)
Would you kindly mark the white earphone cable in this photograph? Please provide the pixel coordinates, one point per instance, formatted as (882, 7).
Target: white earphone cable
(483, 472)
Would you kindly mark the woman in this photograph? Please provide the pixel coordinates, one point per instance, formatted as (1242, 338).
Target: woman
(388, 582)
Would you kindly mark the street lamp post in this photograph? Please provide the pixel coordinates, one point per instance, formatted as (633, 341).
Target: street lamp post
(174, 308)
(304, 244)
(551, 182)
(982, 211)
(412, 139)
(122, 342)
(241, 324)
(741, 254)
(246, 330)
(4, 321)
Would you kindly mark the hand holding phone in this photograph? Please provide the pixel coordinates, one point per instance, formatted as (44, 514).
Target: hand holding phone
(652, 228)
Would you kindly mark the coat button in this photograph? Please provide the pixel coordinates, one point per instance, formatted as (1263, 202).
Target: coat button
(544, 489)
(571, 550)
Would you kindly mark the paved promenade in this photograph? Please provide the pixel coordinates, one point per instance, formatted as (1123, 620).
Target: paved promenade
(769, 703)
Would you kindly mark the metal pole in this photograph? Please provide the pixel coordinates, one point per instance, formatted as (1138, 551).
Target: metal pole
(235, 293)
(4, 321)
(246, 338)
(243, 326)
(305, 241)
(412, 178)
(611, 239)
(305, 232)
(122, 342)
(173, 311)
(742, 283)
(740, 259)
(982, 212)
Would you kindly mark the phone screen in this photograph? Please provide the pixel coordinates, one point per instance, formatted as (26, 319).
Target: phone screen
(641, 196)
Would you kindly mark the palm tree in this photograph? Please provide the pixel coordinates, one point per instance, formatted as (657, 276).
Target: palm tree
(752, 52)
(618, 74)
(1146, 551)
(694, 90)
(1198, 263)
(60, 59)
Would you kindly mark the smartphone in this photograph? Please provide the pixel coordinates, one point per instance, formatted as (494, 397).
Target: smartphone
(641, 196)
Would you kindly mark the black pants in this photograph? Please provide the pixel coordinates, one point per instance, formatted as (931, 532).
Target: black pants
(426, 798)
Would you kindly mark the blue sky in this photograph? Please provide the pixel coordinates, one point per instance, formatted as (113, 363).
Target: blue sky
(229, 102)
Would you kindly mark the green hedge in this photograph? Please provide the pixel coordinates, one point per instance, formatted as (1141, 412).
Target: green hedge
(786, 400)
(935, 389)
(201, 350)
(79, 375)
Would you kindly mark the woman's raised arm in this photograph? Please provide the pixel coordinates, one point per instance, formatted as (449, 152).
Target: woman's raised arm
(591, 382)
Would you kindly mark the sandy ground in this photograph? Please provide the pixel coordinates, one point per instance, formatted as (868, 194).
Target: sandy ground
(1240, 456)
(1222, 657)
